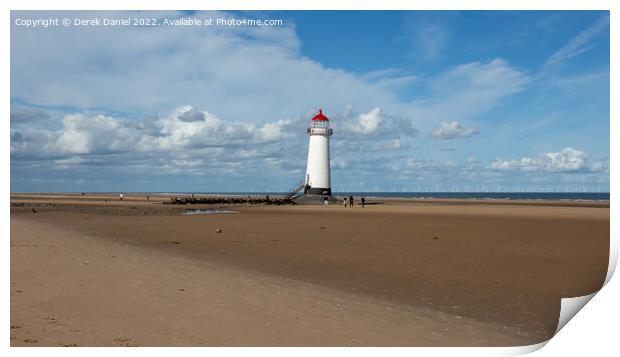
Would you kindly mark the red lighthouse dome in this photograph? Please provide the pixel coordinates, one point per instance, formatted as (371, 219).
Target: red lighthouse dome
(320, 116)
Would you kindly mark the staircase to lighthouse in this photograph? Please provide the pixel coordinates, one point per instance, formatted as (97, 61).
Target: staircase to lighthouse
(318, 175)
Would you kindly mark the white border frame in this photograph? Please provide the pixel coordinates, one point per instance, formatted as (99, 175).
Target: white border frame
(591, 325)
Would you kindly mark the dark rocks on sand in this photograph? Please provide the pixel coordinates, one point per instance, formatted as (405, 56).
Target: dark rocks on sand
(229, 200)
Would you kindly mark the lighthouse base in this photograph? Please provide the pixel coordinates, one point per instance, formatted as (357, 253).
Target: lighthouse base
(316, 200)
(317, 191)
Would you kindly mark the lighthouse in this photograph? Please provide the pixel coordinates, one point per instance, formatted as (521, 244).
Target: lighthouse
(318, 177)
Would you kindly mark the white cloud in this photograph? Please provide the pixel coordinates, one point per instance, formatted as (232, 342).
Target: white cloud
(206, 129)
(371, 132)
(257, 86)
(23, 115)
(339, 163)
(566, 160)
(69, 162)
(453, 130)
(468, 89)
(389, 78)
(366, 123)
(428, 33)
(194, 142)
(579, 44)
(430, 41)
(99, 134)
(244, 74)
(393, 144)
(83, 135)
(273, 131)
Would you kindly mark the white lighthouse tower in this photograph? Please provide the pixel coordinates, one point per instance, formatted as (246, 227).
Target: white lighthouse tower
(318, 177)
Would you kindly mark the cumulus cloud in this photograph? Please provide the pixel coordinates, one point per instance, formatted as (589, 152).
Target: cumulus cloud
(100, 134)
(256, 84)
(565, 160)
(191, 115)
(190, 141)
(246, 74)
(453, 130)
(366, 123)
(374, 123)
(159, 69)
(82, 134)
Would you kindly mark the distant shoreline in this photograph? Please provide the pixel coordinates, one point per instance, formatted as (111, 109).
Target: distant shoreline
(142, 198)
(469, 196)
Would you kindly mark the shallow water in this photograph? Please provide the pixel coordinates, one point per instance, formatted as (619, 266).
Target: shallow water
(205, 211)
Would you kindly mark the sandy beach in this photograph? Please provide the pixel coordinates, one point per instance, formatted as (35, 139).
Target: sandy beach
(94, 271)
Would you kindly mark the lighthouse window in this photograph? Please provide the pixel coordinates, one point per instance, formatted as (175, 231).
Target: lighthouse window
(320, 124)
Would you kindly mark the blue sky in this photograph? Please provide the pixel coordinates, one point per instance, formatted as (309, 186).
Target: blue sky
(419, 100)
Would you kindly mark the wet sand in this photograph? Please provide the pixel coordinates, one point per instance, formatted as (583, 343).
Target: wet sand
(406, 273)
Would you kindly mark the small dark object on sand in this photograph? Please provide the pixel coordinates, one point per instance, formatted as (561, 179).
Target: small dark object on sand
(219, 230)
(34, 210)
(322, 227)
(435, 237)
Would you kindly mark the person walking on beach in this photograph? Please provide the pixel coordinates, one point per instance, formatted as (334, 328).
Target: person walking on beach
(120, 196)
(345, 202)
(363, 201)
(351, 201)
(325, 201)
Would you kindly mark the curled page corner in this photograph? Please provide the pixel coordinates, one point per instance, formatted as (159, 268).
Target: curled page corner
(523, 350)
(613, 258)
(570, 307)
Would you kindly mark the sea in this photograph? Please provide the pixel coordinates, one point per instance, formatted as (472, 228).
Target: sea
(564, 196)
